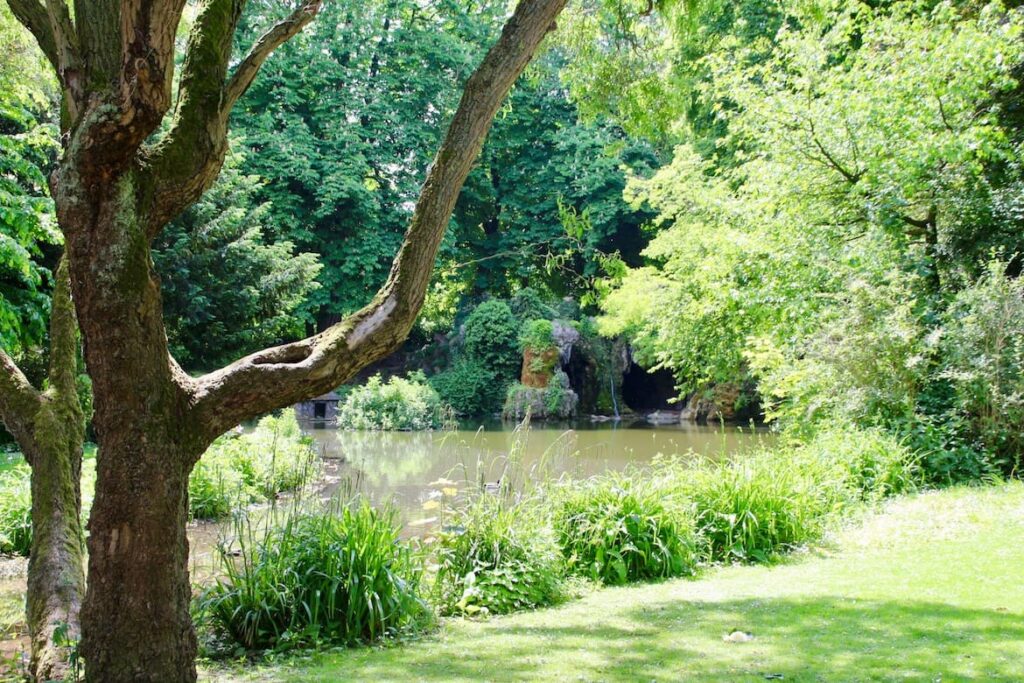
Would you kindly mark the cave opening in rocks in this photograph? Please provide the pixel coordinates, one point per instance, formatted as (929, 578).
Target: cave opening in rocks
(645, 391)
(583, 379)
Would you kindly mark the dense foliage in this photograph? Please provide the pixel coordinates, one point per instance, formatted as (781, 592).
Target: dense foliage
(345, 192)
(228, 288)
(835, 241)
(28, 146)
(487, 360)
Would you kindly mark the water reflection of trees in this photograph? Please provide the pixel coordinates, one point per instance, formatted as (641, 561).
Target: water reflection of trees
(388, 459)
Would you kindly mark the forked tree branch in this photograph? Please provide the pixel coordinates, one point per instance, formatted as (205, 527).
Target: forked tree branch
(187, 160)
(283, 375)
(126, 50)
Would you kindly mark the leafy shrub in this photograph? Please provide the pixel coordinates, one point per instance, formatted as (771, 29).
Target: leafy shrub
(396, 405)
(341, 576)
(491, 337)
(497, 558)
(947, 454)
(983, 358)
(619, 528)
(537, 335)
(754, 508)
(469, 388)
(16, 511)
(238, 470)
(527, 304)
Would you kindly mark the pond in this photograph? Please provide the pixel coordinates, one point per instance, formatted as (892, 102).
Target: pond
(404, 466)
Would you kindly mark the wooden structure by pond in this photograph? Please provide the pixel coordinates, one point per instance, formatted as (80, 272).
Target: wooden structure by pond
(320, 409)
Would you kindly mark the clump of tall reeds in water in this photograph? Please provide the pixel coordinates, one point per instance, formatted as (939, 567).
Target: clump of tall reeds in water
(496, 551)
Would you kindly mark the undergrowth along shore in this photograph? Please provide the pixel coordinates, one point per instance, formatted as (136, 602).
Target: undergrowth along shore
(344, 575)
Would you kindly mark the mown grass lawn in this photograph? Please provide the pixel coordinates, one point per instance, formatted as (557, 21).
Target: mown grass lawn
(929, 589)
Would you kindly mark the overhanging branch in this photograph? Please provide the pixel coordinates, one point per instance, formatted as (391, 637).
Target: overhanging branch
(278, 377)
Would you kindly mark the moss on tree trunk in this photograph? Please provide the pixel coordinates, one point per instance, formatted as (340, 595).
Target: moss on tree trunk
(56, 578)
(50, 429)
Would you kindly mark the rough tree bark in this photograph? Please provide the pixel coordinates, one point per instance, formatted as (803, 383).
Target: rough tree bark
(115, 189)
(50, 428)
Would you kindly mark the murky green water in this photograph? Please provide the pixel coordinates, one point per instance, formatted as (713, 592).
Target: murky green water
(404, 466)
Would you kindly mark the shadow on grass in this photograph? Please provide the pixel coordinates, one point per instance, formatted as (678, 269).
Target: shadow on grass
(821, 639)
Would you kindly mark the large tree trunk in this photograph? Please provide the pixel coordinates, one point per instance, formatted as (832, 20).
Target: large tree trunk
(135, 618)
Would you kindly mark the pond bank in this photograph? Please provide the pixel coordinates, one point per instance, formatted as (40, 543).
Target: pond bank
(930, 587)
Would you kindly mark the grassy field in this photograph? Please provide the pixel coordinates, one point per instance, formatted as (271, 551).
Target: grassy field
(929, 589)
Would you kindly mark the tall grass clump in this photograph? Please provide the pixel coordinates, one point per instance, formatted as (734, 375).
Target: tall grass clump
(239, 470)
(400, 404)
(617, 528)
(754, 508)
(15, 510)
(341, 576)
(497, 557)
(869, 463)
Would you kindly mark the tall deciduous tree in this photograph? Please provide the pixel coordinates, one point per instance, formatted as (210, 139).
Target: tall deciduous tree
(120, 179)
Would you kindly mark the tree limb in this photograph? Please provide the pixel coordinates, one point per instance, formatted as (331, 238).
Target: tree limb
(852, 177)
(19, 400)
(63, 338)
(283, 31)
(186, 161)
(281, 376)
